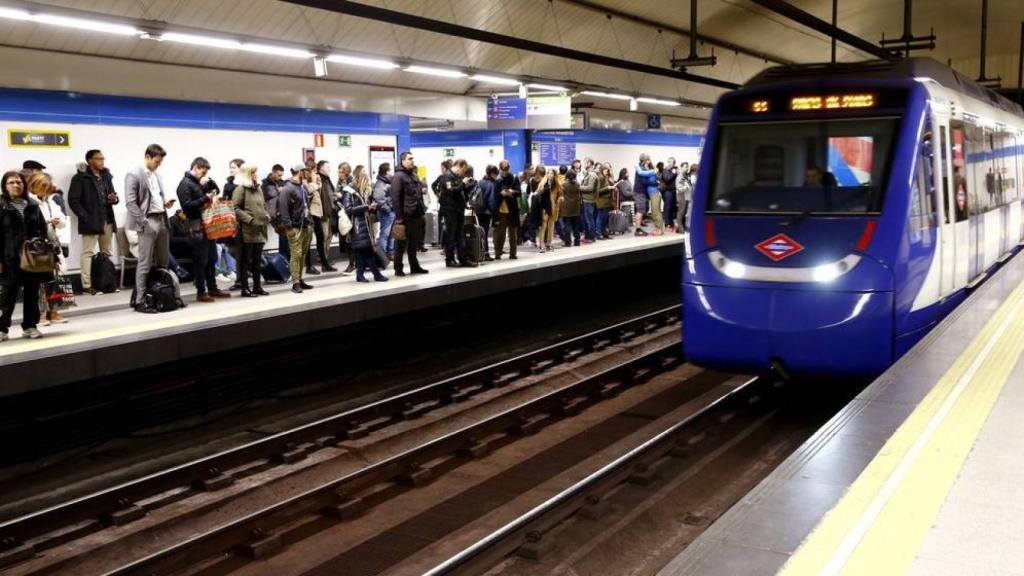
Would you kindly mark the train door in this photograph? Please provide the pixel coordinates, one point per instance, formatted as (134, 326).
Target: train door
(959, 199)
(947, 219)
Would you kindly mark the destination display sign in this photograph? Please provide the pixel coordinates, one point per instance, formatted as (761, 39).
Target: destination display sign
(38, 138)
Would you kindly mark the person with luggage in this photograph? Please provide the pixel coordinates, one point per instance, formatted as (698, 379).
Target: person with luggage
(626, 201)
(381, 196)
(505, 205)
(549, 197)
(480, 202)
(21, 219)
(453, 209)
(92, 198)
(293, 207)
(147, 205)
(41, 187)
(253, 218)
(407, 198)
(362, 242)
(571, 210)
(603, 201)
(195, 194)
(646, 192)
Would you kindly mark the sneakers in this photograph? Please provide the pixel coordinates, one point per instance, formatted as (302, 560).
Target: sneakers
(57, 318)
(32, 333)
(639, 232)
(44, 321)
(380, 278)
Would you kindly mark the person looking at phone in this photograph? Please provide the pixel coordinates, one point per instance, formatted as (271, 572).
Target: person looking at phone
(147, 207)
(195, 192)
(92, 198)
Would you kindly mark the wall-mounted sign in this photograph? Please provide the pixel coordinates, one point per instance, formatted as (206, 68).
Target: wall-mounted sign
(344, 141)
(654, 121)
(318, 140)
(557, 153)
(38, 139)
(549, 112)
(506, 113)
(309, 156)
(449, 152)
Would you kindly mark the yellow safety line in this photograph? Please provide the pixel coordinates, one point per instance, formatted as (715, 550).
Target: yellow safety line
(883, 519)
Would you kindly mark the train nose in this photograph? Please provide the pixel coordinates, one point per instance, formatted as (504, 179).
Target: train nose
(809, 332)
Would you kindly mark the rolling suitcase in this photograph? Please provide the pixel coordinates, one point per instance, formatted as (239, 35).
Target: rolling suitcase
(430, 237)
(275, 268)
(473, 236)
(629, 209)
(618, 223)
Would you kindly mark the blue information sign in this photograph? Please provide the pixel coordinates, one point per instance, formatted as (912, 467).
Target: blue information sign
(506, 113)
(557, 153)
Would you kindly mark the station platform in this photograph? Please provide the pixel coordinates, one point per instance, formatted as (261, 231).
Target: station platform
(920, 474)
(105, 337)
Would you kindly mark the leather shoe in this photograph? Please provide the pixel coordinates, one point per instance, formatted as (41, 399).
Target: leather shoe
(313, 270)
(204, 298)
(260, 292)
(297, 288)
(330, 269)
(305, 286)
(247, 294)
(399, 273)
(220, 294)
(421, 271)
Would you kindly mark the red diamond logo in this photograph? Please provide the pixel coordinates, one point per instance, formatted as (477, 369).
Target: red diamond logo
(779, 247)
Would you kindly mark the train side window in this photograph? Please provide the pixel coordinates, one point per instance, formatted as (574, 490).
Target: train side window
(923, 190)
(944, 170)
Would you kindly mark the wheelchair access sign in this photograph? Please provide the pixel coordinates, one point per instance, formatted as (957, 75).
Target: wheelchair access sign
(38, 139)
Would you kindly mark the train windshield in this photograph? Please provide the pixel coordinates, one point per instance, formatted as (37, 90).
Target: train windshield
(835, 167)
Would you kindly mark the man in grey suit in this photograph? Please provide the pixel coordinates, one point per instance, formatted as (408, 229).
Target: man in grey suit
(147, 214)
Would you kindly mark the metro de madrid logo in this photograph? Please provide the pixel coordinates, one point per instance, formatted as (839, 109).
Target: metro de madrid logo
(779, 247)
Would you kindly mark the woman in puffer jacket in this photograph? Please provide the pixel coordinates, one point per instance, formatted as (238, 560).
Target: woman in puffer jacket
(362, 243)
(646, 184)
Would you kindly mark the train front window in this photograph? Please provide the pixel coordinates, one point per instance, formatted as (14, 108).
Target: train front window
(827, 166)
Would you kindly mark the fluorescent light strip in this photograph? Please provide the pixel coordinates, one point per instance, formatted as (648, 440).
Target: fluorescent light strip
(443, 72)
(606, 95)
(547, 87)
(364, 62)
(83, 24)
(13, 14)
(495, 80)
(276, 50)
(658, 101)
(207, 41)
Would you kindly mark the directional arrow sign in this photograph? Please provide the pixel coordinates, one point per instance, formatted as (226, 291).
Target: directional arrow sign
(38, 139)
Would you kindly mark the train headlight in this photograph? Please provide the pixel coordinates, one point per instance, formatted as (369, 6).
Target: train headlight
(734, 270)
(827, 272)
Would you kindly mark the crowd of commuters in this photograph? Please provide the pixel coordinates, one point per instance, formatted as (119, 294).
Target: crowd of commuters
(378, 217)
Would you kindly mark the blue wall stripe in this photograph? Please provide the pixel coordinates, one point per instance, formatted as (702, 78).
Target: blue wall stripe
(77, 108)
(455, 138)
(643, 137)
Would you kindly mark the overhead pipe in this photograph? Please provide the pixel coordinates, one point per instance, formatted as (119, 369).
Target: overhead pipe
(814, 23)
(357, 9)
(693, 59)
(982, 78)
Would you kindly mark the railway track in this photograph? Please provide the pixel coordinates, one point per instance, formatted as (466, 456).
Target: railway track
(30, 536)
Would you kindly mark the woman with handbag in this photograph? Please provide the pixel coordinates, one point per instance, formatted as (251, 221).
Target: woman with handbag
(41, 186)
(362, 237)
(253, 217)
(26, 255)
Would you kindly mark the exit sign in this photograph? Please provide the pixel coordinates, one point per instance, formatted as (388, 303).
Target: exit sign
(449, 152)
(344, 141)
(38, 139)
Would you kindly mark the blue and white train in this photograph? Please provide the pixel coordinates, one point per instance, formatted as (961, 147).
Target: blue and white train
(844, 211)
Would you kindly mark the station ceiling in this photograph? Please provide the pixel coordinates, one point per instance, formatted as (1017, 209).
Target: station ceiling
(579, 25)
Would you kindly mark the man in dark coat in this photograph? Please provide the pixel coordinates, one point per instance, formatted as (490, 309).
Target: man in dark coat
(407, 200)
(196, 192)
(92, 198)
(505, 209)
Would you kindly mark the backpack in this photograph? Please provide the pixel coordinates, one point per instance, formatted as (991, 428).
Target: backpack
(477, 201)
(104, 275)
(163, 294)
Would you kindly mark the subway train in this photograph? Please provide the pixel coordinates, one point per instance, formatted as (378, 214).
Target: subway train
(844, 210)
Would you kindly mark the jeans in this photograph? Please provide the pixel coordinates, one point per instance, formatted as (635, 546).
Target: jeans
(204, 264)
(366, 260)
(414, 231)
(298, 244)
(386, 220)
(251, 263)
(29, 282)
(589, 220)
(572, 229)
(601, 222)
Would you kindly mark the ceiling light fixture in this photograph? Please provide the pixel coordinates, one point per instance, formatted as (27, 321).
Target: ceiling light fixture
(378, 63)
(13, 14)
(196, 40)
(659, 101)
(430, 71)
(84, 24)
(487, 79)
(550, 87)
(320, 67)
(276, 50)
(606, 95)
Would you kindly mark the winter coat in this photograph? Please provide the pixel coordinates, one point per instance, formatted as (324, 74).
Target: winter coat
(548, 199)
(192, 195)
(646, 181)
(589, 186)
(506, 182)
(382, 194)
(406, 195)
(572, 199)
(229, 189)
(668, 179)
(604, 193)
(327, 193)
(90, 204)
(316, 206)
(251, 211)
(453, 194)
(358, 212)
(14, 230)
(293, 206)
(488, 192)
(625, 190)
